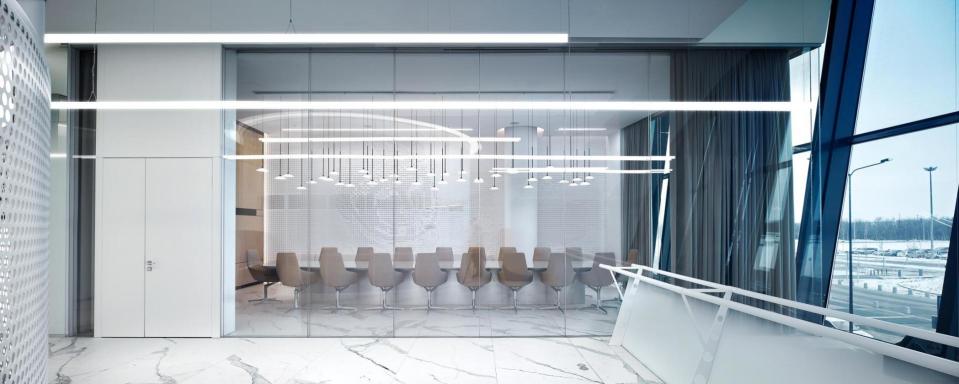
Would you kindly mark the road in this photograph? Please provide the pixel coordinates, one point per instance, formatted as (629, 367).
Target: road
(913, 311)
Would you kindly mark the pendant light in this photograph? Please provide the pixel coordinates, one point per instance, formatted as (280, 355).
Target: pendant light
(479, 128)
(549, 146)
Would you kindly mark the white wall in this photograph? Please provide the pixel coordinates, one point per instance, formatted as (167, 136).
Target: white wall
(789, 22)
(133, 72)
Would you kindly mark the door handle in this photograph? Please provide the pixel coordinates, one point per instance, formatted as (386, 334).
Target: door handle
(150, 265)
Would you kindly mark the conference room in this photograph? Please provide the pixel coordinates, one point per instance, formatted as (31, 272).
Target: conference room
(445, 193)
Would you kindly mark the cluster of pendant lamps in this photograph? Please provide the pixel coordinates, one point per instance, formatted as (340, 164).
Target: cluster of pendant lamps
(331, 170)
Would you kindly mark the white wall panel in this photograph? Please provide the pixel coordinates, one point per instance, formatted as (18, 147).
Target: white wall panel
(158, 73)
(119, 269)
(179, 241)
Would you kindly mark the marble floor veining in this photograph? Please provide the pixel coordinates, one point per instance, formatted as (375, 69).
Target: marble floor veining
(342, 360)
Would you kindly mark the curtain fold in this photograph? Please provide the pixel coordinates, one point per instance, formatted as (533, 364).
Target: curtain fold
(641, 193)
(730, 190)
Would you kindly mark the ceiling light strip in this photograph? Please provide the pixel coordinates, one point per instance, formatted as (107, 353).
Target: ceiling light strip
(368, 139)
(297, 156)
(681, 106)
(306, 38)
(371, 129)
(582, 170)
(580, 129)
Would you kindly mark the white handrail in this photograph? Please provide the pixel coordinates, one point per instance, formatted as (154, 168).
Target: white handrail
(929, 361)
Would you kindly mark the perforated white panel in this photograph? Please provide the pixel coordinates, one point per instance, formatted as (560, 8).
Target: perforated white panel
(24, 198)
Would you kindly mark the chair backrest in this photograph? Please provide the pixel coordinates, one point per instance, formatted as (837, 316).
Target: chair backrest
(364, 253)
(541, 253)
(288, 268)
(596, 276)
(381, 271)
(253, 258)
(514, 268)
(473, 267)
(632, 257)
(444, 254)
(559, 272)
(403, 254)
(505, 252)
(427, 272)
(608, 258)
(332, 269)
(574, 252)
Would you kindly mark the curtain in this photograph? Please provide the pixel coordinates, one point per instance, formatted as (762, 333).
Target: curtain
(641, 193)
(730, 193)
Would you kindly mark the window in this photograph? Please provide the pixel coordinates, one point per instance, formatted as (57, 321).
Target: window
(911, 66)
(899, 248)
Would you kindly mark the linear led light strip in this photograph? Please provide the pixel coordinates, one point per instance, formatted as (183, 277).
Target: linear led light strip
(580, 129)
(683, 106)
(297, 156)
(385, 139)
(370, 129)
(273, 116)
(306, 38)
(581, 170)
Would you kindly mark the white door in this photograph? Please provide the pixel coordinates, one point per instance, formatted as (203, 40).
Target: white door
(179, 248)
(119, 269)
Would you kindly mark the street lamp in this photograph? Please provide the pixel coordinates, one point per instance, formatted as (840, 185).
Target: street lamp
(932, 218)
(849, 201)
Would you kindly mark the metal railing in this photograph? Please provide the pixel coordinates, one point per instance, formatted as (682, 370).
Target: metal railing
(932, 362)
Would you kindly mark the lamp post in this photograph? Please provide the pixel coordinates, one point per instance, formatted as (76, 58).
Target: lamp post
(932, 247)
(850, 234)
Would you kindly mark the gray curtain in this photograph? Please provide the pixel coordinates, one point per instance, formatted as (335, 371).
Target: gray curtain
(641, 193)
(730, 192)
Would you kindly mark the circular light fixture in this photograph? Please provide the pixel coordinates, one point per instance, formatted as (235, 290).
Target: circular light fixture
(585, 183)
(564, 181)
(441, 182)
(589, 177)
(302, 188)
(434, 188)
(531, 179)
(461, 180)
(577, 179)
(478, 180)
(527, 186)
(311, 181)
(494, 188)
(262, 170)
(547, 177)
(339, 184)
(350, 185)
(417, 183)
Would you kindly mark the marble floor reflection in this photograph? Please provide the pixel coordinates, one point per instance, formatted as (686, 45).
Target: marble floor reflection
(278, 318)
(342, 360)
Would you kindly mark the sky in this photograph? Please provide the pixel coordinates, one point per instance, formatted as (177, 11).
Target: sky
(911, 73)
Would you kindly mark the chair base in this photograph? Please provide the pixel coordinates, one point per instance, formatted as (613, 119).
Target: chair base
(515, 307)
(266, 296)
(383, 306)
(473, 305)
(429, 302)
(598, 305)
(338, 307)
(558, 305)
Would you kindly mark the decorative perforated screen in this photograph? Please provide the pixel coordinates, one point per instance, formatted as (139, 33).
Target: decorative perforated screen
(24, 198)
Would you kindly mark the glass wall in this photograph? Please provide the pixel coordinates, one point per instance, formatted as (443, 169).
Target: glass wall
(901, 187)
(476, 193)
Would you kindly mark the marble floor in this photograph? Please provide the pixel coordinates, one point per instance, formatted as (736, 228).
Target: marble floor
(278, 318)
(342, 360)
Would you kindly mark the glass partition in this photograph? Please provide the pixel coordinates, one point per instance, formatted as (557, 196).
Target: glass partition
(478, 192)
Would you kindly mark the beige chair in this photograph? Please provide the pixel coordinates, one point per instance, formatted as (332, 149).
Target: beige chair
(364, 254)
(558, 275)
(597, 278)
(514, 274)
(472, 273)
(444, 254)
(383, 276)
(428, 274)
(288, 269)
(480, 250)
(541, 254)
(335, 274)
(265, 275)
(505, 252)
(403, 254)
